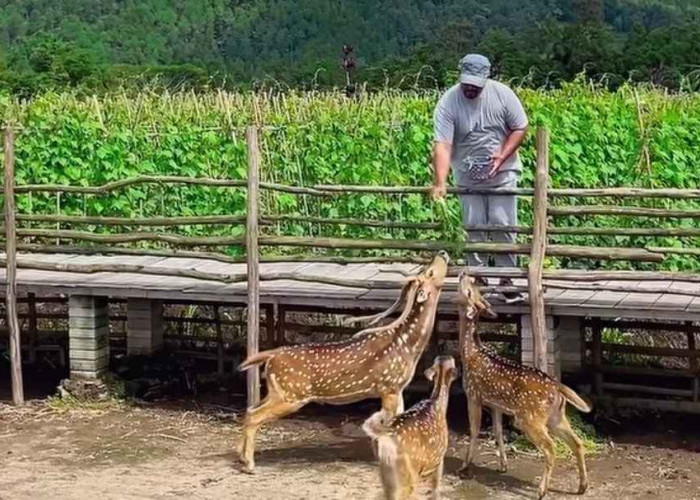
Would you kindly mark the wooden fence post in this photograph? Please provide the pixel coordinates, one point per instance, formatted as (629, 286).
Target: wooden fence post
(253, 260)
(11, 269)
(537, 255)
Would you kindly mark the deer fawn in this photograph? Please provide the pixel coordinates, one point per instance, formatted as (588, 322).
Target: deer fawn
(375, 363)
(536, 401)
(413, 444)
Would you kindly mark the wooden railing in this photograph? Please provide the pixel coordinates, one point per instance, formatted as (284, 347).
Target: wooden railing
(544, 212)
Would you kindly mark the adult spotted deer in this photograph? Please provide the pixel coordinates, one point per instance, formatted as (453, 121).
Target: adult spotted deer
(375, 363)
(413, 445)
(536, 401)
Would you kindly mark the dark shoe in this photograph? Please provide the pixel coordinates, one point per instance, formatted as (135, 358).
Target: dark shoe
(510, 297)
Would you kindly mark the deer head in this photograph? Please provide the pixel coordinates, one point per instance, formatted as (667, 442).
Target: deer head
(432, 278)
(417, 290)
(470, 299)
(442, 373)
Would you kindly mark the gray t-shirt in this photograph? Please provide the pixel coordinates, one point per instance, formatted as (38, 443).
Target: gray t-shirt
(476, 128)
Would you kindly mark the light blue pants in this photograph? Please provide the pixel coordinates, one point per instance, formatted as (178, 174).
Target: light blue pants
(495, 210)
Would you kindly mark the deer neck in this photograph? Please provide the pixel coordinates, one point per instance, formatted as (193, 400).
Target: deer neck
(440, 396)
(469, 341)
(416, 328)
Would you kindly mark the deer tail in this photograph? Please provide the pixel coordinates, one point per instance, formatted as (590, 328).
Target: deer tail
(256, 359)
(574, 399)
(376, 429)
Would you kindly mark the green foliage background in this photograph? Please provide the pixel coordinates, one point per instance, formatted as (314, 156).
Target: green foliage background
(631, 137)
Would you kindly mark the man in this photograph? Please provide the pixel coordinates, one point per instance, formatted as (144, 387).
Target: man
(479, 126)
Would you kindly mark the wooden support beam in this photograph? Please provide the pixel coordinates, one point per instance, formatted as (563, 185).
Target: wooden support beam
(694, 364)
(597, 358)
(11, 269)
(253, 256)
(537, 255)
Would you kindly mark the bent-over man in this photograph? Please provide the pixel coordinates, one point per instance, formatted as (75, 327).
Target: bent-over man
(479, 125)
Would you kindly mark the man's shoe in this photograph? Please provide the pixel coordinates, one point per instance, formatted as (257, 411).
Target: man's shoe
(510, 297)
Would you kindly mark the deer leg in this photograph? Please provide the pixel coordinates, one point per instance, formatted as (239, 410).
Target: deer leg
(435, 480)
(400, 405)
(474, 405)
(271, 409)
(410, 479)
(564, 431)
(498, 431)
(390, 474)
(541, 439)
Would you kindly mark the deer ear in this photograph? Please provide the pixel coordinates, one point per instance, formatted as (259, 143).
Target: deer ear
(422, 296)
(430, 373)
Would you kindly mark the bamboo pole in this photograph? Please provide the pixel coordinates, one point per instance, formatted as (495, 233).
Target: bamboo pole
(253, 265)
(133, 237)
(574, 275)
(126, 221)
(625, 211)
(589, 231)
(458, 248)
(328, 190)
(351, 222)
(621, 288)
(676, 251)
(537, 255)
(11, 269)
(120, 184)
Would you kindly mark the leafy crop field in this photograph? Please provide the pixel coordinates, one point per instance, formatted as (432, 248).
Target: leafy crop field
(633, 137)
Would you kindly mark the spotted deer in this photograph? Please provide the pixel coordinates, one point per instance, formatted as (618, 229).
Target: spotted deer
(413, 445)
(375, 363)
(536, 401)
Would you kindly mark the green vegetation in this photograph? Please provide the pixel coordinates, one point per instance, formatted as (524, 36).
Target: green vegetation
(592, 442)
(630, 137)
(99, 44)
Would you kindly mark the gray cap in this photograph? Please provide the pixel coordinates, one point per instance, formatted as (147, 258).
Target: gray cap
(475, 70)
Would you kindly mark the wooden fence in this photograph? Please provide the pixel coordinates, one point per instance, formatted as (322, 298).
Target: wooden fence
(545, 211)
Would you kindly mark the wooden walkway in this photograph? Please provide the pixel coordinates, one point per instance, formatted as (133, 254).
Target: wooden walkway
(664, 304)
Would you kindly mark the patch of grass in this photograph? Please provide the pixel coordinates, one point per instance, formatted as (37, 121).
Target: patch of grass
(592, 443)
(107, 394)
(67, 403)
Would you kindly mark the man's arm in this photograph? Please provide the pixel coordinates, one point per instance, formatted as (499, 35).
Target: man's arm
(442, 154)
(513, 142)
(444, 126)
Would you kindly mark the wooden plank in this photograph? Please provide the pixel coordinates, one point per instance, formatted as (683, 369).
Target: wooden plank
(572, 298)
(639, 301)
(669, 301)
(694, 306)
(604, 298)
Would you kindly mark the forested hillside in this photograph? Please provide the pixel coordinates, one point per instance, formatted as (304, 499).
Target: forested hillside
(99, 43)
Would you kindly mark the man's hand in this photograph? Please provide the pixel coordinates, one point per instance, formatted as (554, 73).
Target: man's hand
(498, 160)
(438, 192)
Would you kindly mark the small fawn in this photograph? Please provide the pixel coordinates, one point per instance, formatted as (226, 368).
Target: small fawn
(375, 363)
(413, 444)
(536, 401)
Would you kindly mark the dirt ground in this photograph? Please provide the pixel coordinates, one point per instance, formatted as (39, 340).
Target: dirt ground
(185, 450)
